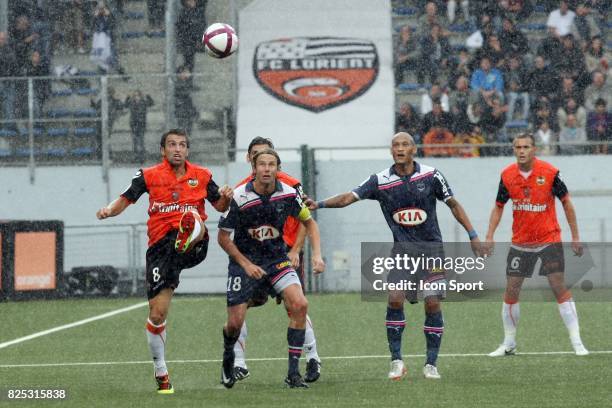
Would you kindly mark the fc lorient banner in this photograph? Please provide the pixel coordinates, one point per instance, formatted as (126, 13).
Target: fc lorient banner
(455, 272)
(316, 72)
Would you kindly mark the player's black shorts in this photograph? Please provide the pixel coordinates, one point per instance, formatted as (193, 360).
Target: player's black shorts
(261, 294)
(522, 262)
(164, 264)
(243, 289)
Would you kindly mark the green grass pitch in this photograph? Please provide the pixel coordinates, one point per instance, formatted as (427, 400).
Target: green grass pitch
(352, 343)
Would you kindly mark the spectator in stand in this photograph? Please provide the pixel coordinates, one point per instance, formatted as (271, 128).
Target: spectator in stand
(438, 136)
(474, 113)
(435, 53)
(435, 93)
(138, 104)
(596, 58)
(437, 118)
(459, 101)
(37, 67)
(408, 120)
(493, 51)
(599, 127)
(8, 68)
(430, 19)
(597, 90)
(544, 138)
(516, 79)
(492, 122)
(451, 8)
(460, 66)
(155, 14)
(185, 111)
(480, 9)
(571, 61)
(104, 50)
(585, 27)
(542, 80)
(74, 26)
(487, 81)
(572, 108)
(513, 41)
(517, 9)
(472, 137)
(568, 90)
(571, 133)
(115, 109)
(189, 28)
(560, 21)
(406, 54)
(24, 39)
(543, 113)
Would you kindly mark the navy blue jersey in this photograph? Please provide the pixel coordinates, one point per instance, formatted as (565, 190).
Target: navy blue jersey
(408, 202)
(257, 220)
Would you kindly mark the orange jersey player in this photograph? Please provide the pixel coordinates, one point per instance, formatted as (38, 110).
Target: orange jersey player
(177, 236)
(532, 185)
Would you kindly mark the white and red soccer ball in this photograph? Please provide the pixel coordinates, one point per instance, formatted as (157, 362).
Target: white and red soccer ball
(220, 40)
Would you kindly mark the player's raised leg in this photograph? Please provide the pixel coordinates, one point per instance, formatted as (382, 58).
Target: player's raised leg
(231, 332)
(241, 370)
(433, 330)
(297, 306)
(567, 310)
(156, 338)
(395, 322)
(511, 313)
(191, 231)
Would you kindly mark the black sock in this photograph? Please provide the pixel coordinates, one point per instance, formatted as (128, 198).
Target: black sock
(433, 329)
(295, 339)
(395, 323)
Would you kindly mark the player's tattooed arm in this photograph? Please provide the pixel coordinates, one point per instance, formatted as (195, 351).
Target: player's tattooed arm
(114, 208)
(225, 241)
(337, 201)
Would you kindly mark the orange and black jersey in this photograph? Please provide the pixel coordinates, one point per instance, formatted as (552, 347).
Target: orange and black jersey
(533, 202)
(290, 230)
(170, 197)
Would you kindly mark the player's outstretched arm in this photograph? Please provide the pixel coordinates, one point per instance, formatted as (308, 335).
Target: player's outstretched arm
(222, 204)
(570, 215)
(113, 209)
(463, 219)
(494, 219)
(225, 241)
(318, 265)
(337, 201)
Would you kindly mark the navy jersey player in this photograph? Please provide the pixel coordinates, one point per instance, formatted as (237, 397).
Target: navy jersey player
(407, 193)
(259, 261)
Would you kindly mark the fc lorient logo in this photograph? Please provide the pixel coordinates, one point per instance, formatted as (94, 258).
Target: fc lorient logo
(316, 73)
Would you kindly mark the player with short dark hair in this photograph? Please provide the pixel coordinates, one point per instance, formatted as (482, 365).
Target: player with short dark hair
(293, 234)
(178, 238)
(408, 185)
(532, 185)
(258, 258)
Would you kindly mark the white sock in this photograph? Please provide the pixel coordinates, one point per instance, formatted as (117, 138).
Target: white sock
(240, 348)
(310, 342)
(156, 338)
(511, 312)
(567, 310)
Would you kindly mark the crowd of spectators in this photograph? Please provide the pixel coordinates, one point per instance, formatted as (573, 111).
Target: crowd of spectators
(557, 85)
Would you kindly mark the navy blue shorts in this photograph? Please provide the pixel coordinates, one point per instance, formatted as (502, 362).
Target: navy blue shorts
(241, 288)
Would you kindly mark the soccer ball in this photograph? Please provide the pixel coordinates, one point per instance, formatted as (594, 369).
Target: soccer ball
(220, 40)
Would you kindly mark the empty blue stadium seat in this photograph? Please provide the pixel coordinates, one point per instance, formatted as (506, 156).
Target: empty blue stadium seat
(25, 152)
(82, 151)
(404, 11)
(409, 87)
(7, 133)
(61, 92)
(532, 26)
(59, 113)
(88, 73)
(54, 151)
(132, 34)
(5, 152)
(85, 131)
(539, 8)
(517, 124)
(87, 91)
(85, 113)
(160, 34)
(134, 15)
(57, 132)
(26, 131)
(459, 28)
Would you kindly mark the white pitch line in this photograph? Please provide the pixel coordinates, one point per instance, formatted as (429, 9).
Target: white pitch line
(71, 325)
(105, 363)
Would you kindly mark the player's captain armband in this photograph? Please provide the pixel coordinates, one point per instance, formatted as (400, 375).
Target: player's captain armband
(304, 214)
